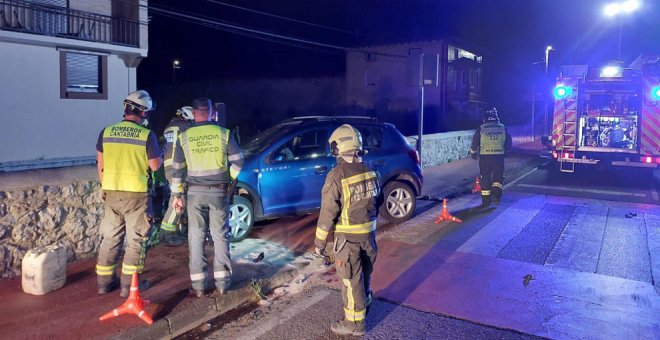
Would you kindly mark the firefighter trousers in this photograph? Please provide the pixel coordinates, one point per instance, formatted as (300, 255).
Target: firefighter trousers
(208, 212)
(491, 171)
(355, 263)
(124, 217)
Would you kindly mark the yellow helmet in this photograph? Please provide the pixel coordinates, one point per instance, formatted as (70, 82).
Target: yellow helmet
(345, 139)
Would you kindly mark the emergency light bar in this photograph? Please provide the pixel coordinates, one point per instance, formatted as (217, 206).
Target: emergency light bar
(611, 72)
(562, 91)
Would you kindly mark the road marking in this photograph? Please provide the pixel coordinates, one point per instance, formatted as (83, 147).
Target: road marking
(519, 178)
(654, 194)
(592, 191)
(276, 319)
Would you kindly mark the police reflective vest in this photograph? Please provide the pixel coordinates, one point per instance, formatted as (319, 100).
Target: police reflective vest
(125, 162)
(205, 150)
(355, 189)
(171, 134)
(492, 139)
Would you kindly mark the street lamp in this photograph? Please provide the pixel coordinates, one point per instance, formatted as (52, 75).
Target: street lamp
(618, 8)
(176, 64)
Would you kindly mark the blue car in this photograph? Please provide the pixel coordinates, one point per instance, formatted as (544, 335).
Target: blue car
(286, 165)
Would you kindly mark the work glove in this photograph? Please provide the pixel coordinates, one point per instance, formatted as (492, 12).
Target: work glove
(178, 204)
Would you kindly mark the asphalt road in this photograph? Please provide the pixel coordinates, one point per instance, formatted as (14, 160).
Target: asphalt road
(310, 314)
(587, 228)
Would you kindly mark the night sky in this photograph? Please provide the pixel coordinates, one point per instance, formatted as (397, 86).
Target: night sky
(511, 34)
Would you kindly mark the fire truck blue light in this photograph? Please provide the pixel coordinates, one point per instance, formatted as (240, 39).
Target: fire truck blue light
(562, 91)
(656, 93)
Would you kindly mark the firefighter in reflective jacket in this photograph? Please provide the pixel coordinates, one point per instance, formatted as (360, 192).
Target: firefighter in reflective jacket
(184, 117)
(349, 205)
(491, 141)
(125, 152)
(207, 158)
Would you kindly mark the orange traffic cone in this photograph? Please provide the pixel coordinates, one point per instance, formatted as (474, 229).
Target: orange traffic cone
(477, 186)
(133, 305)
(445, 216)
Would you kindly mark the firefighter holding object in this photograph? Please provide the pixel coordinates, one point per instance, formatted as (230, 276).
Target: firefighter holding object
(184, 117)
(349, 204)
(491, 141)
(125, 153)
(207, 158)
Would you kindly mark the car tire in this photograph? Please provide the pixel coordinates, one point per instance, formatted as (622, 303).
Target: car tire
(241, 218)
(399, 202)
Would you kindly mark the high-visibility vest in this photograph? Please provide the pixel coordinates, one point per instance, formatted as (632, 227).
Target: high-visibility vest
(205, 148)
(357, 188)
(125, 162)
(493, 137)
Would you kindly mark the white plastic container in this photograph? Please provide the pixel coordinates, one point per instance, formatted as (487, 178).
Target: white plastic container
(44, 269)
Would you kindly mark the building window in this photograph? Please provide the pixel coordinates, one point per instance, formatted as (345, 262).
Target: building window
(83, 76)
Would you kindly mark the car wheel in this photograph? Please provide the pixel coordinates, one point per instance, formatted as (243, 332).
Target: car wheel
(241, 218)
(399, 202)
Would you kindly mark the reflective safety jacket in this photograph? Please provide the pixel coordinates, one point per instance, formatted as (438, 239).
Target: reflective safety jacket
(125, 161)
(205, 155)
(491, 139)
(171, 134)
(349, 202)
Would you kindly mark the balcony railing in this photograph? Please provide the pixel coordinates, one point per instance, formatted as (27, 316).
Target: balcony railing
(33, 18)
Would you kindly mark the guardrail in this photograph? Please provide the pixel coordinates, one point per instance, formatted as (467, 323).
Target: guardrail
(41, 19)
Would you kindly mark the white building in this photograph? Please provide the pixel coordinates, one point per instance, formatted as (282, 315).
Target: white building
(65, 68)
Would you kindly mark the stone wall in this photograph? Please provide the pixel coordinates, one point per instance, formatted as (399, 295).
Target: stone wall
(441, 148)
(31, 216)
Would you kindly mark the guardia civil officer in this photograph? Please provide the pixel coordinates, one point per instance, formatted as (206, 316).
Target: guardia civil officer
(125, 153)
(206, 159)
(490, 141)
(181, 121)
(349, 204)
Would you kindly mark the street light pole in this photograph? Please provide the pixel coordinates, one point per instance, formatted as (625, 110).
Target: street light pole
(176, 64)
(616, 10)
(545, 88)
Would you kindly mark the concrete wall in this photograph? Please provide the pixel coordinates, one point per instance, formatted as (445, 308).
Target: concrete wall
(37, 123)
(383, 83)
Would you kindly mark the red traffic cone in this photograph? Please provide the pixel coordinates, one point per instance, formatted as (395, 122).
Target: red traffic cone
(477, 186)
(133, 305)
(445, 216)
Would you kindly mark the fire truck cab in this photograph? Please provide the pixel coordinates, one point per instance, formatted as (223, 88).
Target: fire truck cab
(607, 116)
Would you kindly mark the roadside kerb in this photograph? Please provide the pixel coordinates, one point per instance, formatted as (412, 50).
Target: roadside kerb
(195, 312)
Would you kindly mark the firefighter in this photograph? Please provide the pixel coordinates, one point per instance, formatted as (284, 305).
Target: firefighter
(125, 153)
(207, 159)
(349, 206)
(491, 140)
(168, 227)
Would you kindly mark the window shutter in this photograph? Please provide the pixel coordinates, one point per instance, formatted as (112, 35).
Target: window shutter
(82, 72)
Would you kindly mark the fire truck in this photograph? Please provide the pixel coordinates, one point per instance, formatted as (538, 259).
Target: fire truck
(607, 116)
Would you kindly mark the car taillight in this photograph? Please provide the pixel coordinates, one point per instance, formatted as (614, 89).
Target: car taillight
(554, 154)
(414, 156)
(567, 155)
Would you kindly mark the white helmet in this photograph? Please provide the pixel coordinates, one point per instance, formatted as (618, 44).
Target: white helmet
(186, 113)
(139, 100)
(345, 139)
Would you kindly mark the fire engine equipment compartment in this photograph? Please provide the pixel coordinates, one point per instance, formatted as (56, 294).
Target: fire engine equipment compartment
(609, 120)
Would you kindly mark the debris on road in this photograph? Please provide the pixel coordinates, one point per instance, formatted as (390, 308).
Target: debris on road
(527, 278)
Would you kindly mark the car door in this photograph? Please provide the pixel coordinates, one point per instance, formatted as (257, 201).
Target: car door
(372, 143)
(293, 174)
